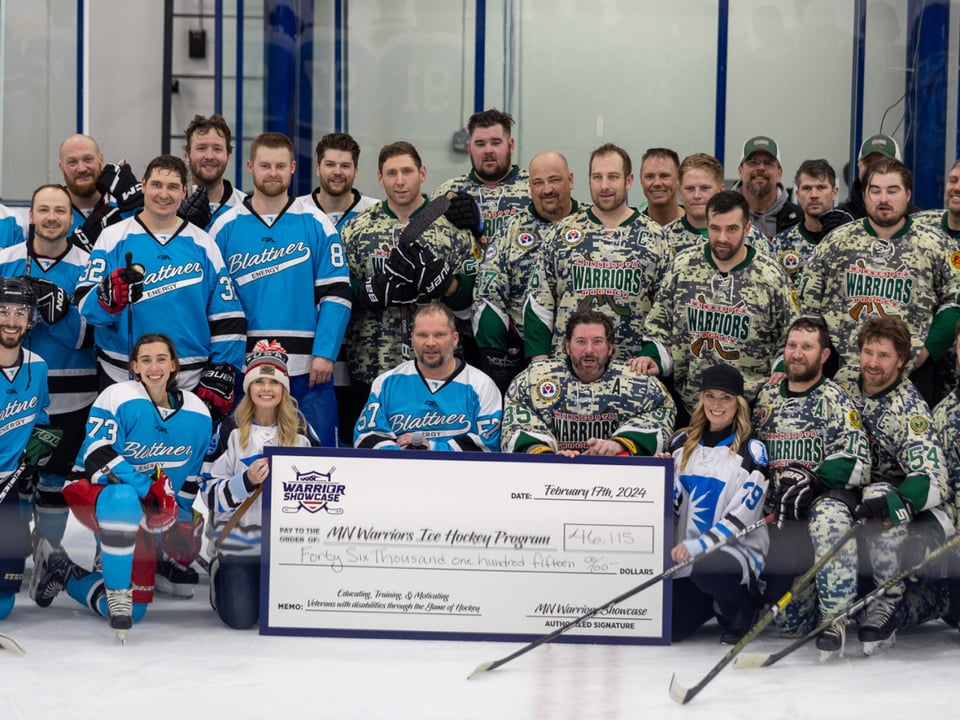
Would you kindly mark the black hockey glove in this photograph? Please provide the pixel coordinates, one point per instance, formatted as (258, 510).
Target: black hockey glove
(885, 507)
(437, 277)
(464, 213)
(85, 236)
(406, 263)
(120, 288)
(118, 181)
(832, 219)
(382, 290)
(799, 486)
(196, 208)
(216, 389)
(502, 365)
(53, 302)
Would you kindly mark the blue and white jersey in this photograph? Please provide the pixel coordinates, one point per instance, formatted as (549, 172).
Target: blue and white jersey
(187, 295)
(131, 436)
(461, 412)
(24, 401)
(277, 263)
(232, 197)
(65, 346)
(717, 494)
(13, 230)
(360, 203)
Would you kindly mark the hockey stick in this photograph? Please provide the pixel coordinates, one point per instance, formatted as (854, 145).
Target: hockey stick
(727, 540)
(129, 258)
(683, 695)
(757, 660)
(237, 516)
(12, 479)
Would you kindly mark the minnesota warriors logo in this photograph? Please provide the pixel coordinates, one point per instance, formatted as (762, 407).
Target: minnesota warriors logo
(875, 292)
(716, 327)
(313, 492)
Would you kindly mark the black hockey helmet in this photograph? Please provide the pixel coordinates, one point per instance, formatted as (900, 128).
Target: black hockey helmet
(17, 291)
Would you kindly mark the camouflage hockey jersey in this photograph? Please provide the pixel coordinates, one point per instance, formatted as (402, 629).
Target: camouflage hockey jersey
(703, 317)
(548, 409)
(855, 275)
(503, 279)
(820, 429)
(905, 448)
(793, 249)
(681, 235)
(377, 342)
(498, 205)
(936, 219)
(586, 266)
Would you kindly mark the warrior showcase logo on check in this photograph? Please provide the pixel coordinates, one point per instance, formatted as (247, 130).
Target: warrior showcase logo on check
(312, 491)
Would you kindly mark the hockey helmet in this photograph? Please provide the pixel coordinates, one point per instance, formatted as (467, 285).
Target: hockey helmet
(17, 291)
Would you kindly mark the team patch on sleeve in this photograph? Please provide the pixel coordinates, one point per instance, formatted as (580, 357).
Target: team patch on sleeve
(548, 389)
(955, 260)
(855, 420)
(919, 425)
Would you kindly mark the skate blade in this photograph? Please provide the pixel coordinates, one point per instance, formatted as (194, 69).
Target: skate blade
(8, 643)
(877, 646)
(122, 636)
(829, 655)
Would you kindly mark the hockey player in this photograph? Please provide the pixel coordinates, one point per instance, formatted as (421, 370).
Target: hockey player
(498, 186)
(434, 402)
(816, 186)
(886, 265)
(440, 262)
(142, 454)
(726, 303)
(701, 177)
(207, 152)
(819, 461)
(908, 475)
(12, 229)
(719, 485)
(503, 280)
(338, 157)
(659, 177)
(24, 443)
(282, 253)
(52, 265)
(234, 474)
(948, 219)
(610, 257)
(874, 148)
(771, 211)
(174, 280)
(584, 404)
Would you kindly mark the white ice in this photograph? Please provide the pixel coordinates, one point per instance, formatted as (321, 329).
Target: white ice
(181, 662)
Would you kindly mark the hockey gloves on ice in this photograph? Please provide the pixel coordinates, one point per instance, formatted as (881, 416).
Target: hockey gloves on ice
(196, 208)
(216, 389)
(118, 181)
(799, 486)
(890, 506)
(53, 302)
(120, 288)
(159, 504)
(464, 214)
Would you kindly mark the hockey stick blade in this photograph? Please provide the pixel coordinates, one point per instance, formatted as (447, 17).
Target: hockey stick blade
(8, 643)
(748, 661)
(494, 664)
(682, 695)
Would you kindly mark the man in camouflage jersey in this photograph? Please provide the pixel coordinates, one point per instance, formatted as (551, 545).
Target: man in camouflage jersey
(378, 336)
(886, 265)
(498, 186)
(609, 257)
(819, 460)
(908, 475)
(948, 219)
(701, 177)
(504, 279)
(816, 184)
(725, 303)
(584, 404)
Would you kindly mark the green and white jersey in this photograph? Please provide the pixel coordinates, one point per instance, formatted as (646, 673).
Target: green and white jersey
(946, 420)
(820, 429)
(855, 275)
(503, 280)
(586, 266)
(498, 205)
(377, 342)
(547, 408)
(793, 249)
(681, 235)
(905, 448)
(703, 317)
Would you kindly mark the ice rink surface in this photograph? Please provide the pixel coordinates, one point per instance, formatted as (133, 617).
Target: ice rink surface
(181, 662)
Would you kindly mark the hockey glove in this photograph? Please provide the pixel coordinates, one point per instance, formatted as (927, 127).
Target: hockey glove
(85, 236)
(832, 219)
(40, 445)
(53, 303)
(120, 288)
(182, 542)
(118, 181)
(438, 276)
(159, 504)
(196, 208)
(216, 389)
(406, 263)
(464, 213)
(502, 365)
(885, 507)
(799, 486)
(381, 291)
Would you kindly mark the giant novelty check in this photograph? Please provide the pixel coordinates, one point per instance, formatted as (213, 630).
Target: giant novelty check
(463, 546)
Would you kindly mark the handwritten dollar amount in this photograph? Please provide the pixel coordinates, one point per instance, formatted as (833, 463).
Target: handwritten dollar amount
(626, 538)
